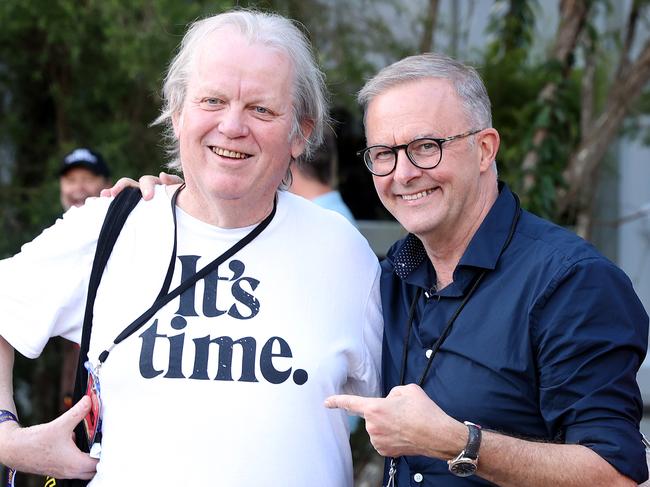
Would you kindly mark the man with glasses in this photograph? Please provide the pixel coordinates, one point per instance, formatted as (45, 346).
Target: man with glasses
(511, 346)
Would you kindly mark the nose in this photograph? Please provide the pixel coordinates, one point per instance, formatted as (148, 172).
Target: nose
(233, 123)
(405, 170)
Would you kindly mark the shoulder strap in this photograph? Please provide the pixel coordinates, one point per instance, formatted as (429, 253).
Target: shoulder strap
(116, 216)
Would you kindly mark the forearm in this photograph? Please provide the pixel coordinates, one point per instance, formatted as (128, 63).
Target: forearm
(508, 461)
(408, 423)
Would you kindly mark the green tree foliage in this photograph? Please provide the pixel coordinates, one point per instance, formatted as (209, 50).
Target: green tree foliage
(559, 112)
(515, 80)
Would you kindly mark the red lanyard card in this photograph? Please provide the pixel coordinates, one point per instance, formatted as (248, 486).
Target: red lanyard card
(93, 420)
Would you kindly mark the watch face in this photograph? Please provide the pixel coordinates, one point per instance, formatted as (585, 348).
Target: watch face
(463, 468)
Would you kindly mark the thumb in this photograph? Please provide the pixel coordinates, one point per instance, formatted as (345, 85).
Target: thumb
(73, 416)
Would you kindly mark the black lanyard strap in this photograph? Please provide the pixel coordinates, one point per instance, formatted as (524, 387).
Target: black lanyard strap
(418, 292)
(170, 269)
(445, 332)
(165, 297)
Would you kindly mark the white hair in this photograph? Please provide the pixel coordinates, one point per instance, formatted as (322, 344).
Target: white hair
(465, 79)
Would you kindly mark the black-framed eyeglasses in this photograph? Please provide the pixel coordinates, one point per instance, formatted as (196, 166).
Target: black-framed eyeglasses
(425, 153)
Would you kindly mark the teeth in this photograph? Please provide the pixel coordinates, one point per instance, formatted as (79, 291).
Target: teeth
(416, 196)
(228, 153)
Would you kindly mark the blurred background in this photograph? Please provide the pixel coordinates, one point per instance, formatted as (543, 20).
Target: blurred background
(568, 80)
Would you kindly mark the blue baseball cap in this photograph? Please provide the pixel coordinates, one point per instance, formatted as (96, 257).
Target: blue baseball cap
(86, 158)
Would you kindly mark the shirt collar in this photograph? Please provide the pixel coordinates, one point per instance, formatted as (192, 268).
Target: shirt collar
(410, 260)
(408, 256)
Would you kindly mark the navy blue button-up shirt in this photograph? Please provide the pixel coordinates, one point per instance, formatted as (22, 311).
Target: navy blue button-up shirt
(547, 347)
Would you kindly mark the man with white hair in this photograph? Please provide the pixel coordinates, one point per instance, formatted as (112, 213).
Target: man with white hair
(225, 383)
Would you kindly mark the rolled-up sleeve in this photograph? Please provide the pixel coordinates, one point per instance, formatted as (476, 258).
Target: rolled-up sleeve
(591, 334)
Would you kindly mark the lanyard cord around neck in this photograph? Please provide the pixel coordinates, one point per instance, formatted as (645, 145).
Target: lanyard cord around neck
(447, 329)
(165, 297)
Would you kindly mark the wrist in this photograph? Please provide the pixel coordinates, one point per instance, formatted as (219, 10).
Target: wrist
(444, 443)
(465, 463)
(457, 441)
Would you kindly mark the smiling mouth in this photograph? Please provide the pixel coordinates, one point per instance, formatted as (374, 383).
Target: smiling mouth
(416, 196)
(228, 153)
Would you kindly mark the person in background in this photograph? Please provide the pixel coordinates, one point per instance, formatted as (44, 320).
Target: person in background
(315, 179)
(83, 174)
(511, 346)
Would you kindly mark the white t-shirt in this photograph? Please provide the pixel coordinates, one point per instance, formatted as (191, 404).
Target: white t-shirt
(225, 385)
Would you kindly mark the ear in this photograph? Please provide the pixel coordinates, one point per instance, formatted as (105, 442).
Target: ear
(488, 144)
(300, 140)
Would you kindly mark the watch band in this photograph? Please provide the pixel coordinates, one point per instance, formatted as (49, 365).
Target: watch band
(466, 463)
(473, 440)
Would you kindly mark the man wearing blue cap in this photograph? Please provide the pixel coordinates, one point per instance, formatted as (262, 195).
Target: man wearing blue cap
(83, 174)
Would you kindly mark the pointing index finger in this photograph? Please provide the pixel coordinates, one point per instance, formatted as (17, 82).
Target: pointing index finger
(352, 404)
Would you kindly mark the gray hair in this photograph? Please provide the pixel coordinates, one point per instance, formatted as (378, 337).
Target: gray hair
(465, 79)
(310, 101)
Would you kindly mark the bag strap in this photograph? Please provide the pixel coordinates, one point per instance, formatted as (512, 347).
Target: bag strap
(116, 216)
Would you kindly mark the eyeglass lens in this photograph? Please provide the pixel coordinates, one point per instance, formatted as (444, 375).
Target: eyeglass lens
(424, 153)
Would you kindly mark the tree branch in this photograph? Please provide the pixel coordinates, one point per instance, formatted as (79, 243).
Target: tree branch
(594, 144)
(587, 86)
(573, 15)
(427, 40)
(630, 33)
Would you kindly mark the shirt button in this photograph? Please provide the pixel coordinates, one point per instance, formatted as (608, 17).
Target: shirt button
(418, 477)
(428, 354)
